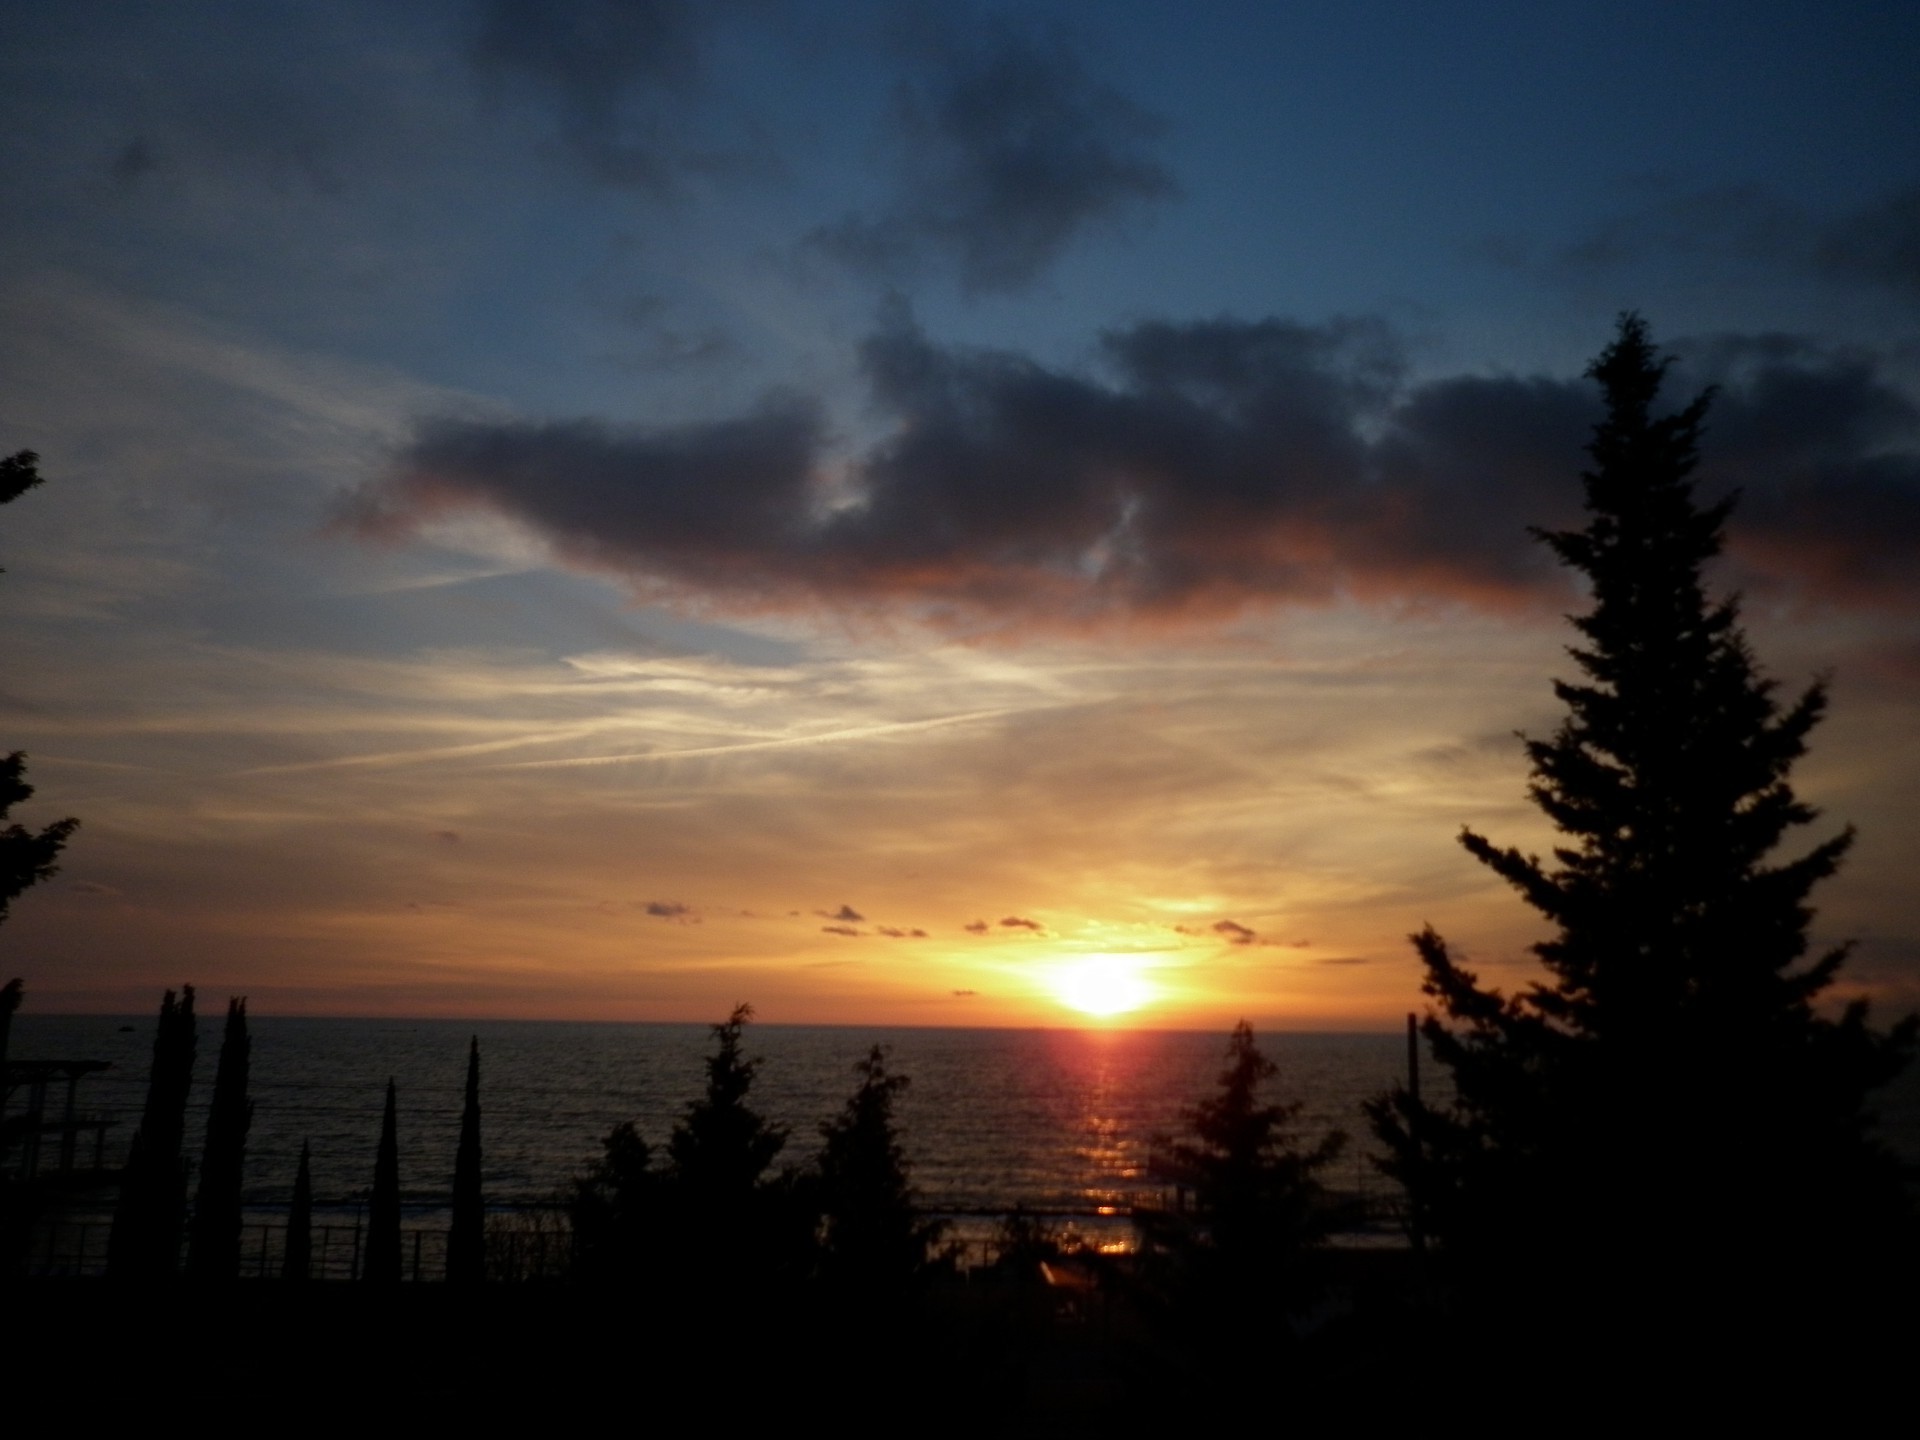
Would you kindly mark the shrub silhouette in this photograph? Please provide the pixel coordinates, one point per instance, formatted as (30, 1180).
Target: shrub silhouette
(712, 1216)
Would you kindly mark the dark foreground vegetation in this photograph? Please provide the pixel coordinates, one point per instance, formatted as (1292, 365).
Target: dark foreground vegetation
(1652, 1184)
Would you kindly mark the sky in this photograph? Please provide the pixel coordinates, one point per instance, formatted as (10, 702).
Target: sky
(904, 514)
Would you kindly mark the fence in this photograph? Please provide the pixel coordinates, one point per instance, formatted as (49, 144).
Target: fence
(523, 1243)
(531, 1242)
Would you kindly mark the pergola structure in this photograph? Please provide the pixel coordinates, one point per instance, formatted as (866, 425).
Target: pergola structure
(29, 1131)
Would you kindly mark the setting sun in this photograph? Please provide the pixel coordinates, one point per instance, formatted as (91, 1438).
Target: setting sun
(1103, 985)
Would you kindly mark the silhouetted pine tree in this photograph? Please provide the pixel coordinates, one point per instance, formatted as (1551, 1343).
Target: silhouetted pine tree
(299, 1259)
(1666, 1110)
(729, 1215)
(213, 1251)
(723, 1147)
(383, 1209)
(1255, 1209)
(144, 1243)
(467, 1238)
(874, 1237)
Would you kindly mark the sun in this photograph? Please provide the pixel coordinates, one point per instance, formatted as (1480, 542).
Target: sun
(1103, 985)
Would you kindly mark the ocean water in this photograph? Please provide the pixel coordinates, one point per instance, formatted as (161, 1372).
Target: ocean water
(991, 1119)
(1059, 1121)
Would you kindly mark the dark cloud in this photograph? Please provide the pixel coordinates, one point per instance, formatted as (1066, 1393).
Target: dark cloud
(136, 159)
(1211, 466)
(846, 914)
(619, 76)
(840, 930)
(894, 933)
(1007, 152)
(964, 993)
(977, 927)
(1825, 455)
(1876, 244)
(1235, 932)
(447, 837)
(1020, 922)
(668, 909)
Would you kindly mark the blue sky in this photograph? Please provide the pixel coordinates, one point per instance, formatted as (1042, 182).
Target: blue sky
(549, 504)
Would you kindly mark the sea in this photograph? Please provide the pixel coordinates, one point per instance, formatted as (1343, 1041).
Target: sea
(1058, 1122)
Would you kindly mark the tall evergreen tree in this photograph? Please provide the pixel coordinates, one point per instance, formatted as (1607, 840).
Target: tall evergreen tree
(383, 1209)
(213, 1251)
(144, 1243)
(1668, 1100)
(467, 1238)
(729, 1215)
(298, 1264)
(723, 1147)
(875, 1238)
(1257, 1209)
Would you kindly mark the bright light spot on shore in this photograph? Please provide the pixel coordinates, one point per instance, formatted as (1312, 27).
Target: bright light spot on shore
(1103, 985)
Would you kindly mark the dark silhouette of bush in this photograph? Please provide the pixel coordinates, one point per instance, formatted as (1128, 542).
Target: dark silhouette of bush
(26, 856)
(712, 1217)
(467, 1237)
(873, 1238)
(150, 1217)
(617, 1212)
(1667, 1112)
(298, 1264)
(213, 1251)
(382, 1264)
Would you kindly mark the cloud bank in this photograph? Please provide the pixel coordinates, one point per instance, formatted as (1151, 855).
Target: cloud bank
(1198, 469)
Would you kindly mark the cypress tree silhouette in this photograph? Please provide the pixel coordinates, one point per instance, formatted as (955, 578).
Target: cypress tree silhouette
(1667, 1106)
(467, 1238)
(874, 1237)
(213, 1252)
(298, 1264)
(148, 1221)
(383, 1209)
